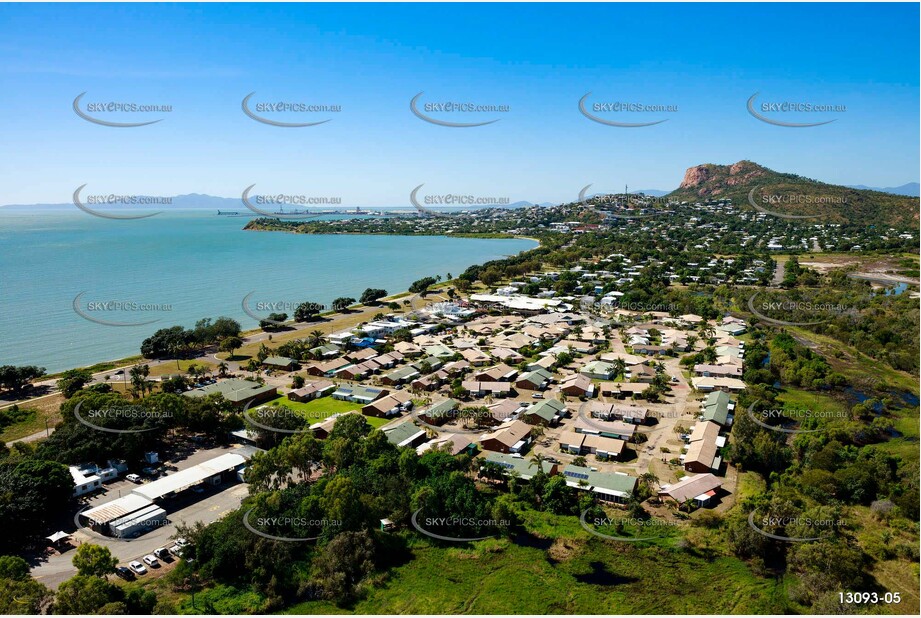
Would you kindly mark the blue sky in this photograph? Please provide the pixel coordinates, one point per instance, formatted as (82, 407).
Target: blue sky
(539, 60)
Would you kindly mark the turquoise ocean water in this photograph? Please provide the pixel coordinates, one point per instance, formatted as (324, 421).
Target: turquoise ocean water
(181, 266)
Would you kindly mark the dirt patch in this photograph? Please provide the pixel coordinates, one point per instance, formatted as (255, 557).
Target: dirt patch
(564, 549)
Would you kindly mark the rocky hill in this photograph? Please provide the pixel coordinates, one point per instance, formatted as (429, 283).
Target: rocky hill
(753, 186)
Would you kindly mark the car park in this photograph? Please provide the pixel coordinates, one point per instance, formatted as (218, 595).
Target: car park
(137, 567)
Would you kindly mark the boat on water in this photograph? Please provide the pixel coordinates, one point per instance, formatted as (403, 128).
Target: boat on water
(228, 213)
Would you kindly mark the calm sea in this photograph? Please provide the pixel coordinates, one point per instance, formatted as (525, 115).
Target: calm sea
(178, 267)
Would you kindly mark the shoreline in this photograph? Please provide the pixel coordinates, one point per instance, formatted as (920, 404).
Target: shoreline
(127, 361)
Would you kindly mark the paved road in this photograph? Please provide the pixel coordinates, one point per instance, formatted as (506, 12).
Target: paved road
(779, 272)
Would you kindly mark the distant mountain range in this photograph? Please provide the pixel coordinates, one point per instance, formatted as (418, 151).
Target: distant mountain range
(795, 196)
(911, 189)
(200, 201)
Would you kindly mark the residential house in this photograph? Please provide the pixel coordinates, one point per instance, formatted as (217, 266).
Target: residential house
(359, 394)
(577, 385)
(701, 489)
(718, 407)
(548, 412)
(476, 357)
(282, 363)
(327, 368)
(536, 380)
(703, 447)
(312, 390)
(405, 434)
(607, 486)
(510, 437)
(622, 390)
(598, 370)
(483, 389)
(722, 384)
(393, 404)
(455, 444)
(400, 376)
(718, 371)
(523, 468)
(635, 415)
(498, 373)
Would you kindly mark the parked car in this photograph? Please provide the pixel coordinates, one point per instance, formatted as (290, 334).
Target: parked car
(181, 542)
(161, 552)
(176, 550)
(149, 471)
(537, 396)
(151, 560)
(137, 567)
(134, 478)
(124, 572)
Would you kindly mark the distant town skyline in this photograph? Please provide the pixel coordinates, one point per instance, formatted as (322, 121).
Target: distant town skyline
(531, 66)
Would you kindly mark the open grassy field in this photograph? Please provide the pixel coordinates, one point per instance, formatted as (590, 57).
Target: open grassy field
(566, 575)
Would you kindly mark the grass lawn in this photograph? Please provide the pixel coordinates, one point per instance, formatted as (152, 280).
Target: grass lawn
(318, 409)
(171, 369)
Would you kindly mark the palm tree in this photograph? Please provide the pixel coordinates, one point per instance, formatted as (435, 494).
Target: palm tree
(537, 461)
(139, 382)
(222, 369)
(317, 337)
(648, 479)
(620, 367)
